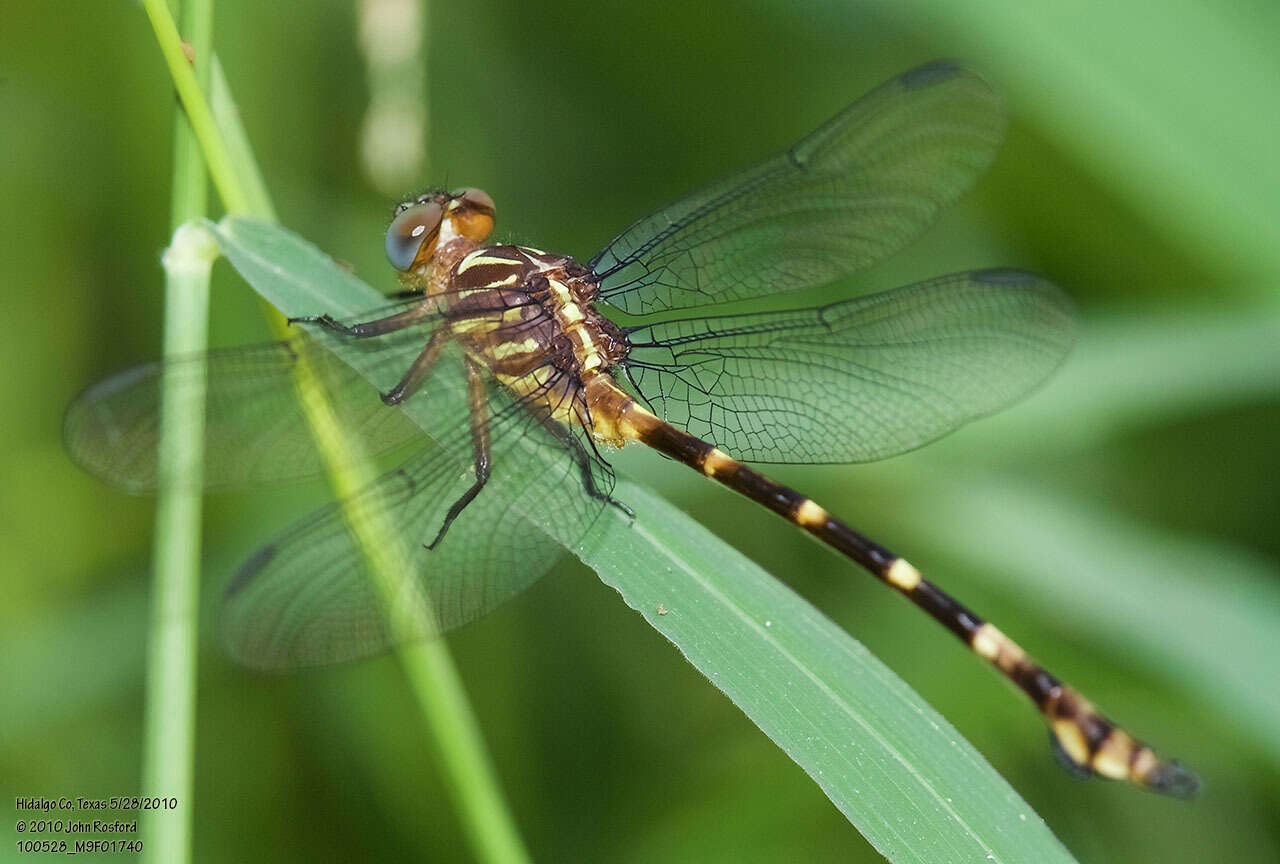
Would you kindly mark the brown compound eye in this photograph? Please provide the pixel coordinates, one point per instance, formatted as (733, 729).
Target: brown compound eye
(472, 212)
(412, 236)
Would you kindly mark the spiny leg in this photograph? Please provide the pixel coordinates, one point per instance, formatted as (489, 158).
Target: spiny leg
(583, 460)
(1083, 738)
(478, 399)
(420, 368)
(377, 327)
(406, 294)
(581, 457)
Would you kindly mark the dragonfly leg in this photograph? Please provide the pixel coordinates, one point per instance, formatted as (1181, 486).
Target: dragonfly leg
(377, 327)
(419, 370)
(584, 460)
(589, 479)
(478, 398)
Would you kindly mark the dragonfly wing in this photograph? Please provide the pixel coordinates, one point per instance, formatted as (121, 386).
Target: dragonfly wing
(851, 193)
(859, 380)
(255, 429)
(306, 598)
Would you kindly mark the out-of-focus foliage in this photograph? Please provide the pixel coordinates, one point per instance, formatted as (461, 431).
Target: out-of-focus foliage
(1122, 525)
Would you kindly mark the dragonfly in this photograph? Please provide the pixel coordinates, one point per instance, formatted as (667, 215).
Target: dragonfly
(528, 385)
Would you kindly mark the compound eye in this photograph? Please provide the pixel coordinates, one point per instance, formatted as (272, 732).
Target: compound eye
(411, 239)
(473, 212)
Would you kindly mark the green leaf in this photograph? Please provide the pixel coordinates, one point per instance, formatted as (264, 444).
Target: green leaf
(900, 773)
(889, 762)
(290, 273)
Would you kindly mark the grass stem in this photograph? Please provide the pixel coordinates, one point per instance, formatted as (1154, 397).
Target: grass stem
(169, 727)
(451, 727)
(170, 713)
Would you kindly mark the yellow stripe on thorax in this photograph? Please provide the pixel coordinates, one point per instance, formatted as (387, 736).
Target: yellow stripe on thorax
(478, 258)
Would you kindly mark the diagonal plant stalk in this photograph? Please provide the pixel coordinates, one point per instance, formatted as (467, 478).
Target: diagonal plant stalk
(451, 726)
(169, 725)
(235, 140)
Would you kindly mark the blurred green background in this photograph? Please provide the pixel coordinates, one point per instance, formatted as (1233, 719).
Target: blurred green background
(1122, 525)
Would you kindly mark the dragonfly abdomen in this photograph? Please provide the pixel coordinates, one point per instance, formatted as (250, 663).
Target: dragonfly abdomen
(1086, 741)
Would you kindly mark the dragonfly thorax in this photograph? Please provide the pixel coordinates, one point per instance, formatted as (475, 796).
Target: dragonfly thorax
(530, 318)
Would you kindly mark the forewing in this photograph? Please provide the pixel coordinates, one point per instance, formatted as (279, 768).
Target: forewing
(255, 429)
(858, 380)
(306, 598)
(851, 193)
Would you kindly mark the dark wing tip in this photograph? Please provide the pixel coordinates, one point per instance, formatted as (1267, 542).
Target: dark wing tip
(1004, 276)
(249, 569)
(931, 73)
(247, 644)
(1053, 301)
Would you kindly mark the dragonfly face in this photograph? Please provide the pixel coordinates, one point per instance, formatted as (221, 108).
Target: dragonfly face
(433, 220)
(549, 377)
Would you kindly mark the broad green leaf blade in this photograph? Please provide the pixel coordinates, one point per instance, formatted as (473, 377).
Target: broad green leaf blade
(290, 273)
(905, 778)
(895, 767)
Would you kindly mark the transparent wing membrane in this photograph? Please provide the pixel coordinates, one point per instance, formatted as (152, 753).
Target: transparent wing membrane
(851, 193)
(255, 429)
(858, 380)
(305, 599)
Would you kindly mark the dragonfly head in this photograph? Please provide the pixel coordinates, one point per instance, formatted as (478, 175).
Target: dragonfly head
(434, 218)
